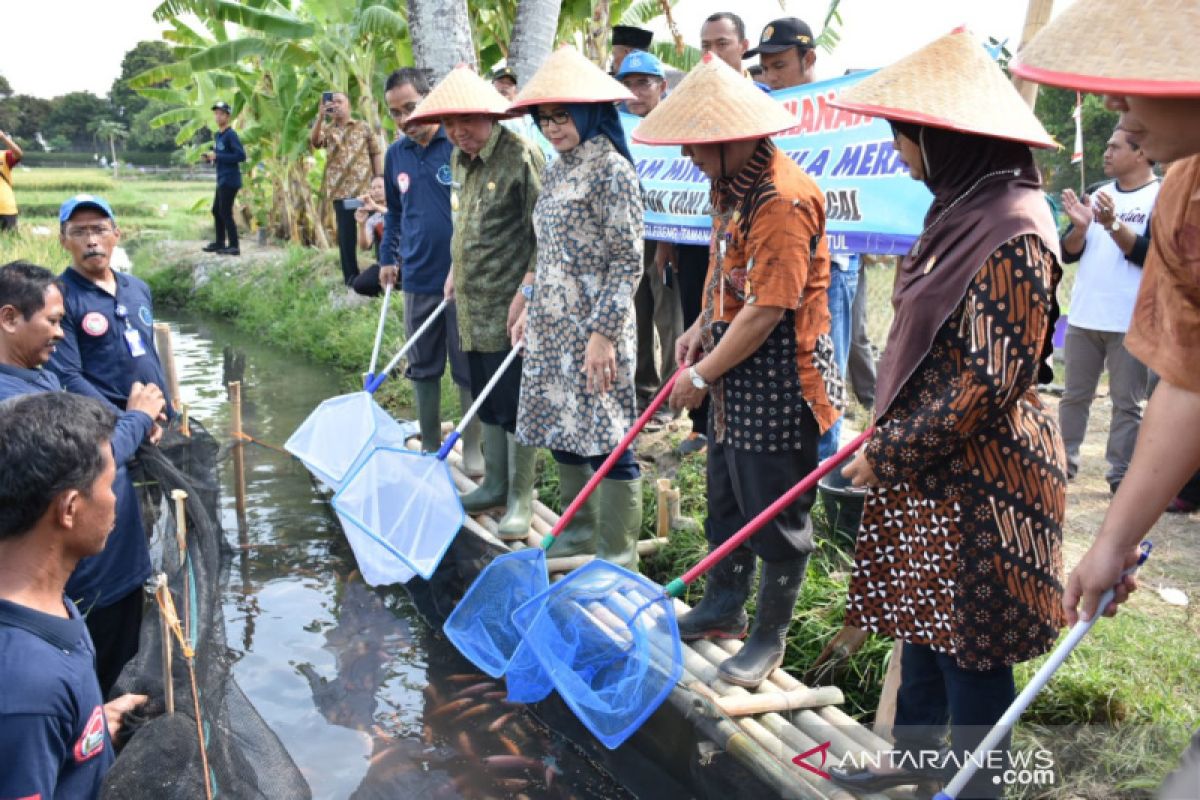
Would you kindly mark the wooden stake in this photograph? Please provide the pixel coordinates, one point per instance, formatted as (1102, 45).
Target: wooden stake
(885, 715)
(184, 427)
(166, 355)
(180, 498)
(239, 453)
(663, 491)
(165, 630)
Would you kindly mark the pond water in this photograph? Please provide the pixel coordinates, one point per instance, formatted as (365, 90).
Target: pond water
(368, 699)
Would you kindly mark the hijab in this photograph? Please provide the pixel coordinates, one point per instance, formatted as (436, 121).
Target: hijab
(986, 191)
(599, 119)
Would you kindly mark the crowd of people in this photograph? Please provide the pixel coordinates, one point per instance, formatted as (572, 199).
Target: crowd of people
(959, 552)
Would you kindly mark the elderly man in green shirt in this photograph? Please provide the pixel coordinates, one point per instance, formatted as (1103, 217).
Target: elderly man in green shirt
(496, 180)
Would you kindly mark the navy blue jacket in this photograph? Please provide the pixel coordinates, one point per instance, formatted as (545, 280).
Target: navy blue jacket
(52, 729)
(94, 358)
(124, 563)
(418, 226)
(227, 148)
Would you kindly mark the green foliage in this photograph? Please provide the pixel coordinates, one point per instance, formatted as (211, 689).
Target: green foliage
(1054, 108)
(73, 115)
(126, 102)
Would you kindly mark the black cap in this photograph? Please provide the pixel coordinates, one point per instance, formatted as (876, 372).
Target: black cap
(783, 34)
(221, 105)
(629, 36)
(503, 72)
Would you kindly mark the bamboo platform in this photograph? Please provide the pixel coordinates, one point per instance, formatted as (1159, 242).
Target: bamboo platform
(763, 729)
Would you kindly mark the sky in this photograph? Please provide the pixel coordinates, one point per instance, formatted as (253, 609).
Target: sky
(52, 47)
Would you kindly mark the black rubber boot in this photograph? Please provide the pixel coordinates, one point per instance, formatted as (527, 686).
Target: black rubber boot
(721, 613)
(778, 587)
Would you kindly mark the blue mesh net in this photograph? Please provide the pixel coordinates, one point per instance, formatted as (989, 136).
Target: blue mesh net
(526, 678)
(481, 625)
(339, 433)
(608, 640)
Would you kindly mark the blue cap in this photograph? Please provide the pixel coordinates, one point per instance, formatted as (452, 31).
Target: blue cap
(639, 62)
(85, 201)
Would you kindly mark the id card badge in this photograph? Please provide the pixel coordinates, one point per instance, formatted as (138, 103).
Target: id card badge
(133, 339)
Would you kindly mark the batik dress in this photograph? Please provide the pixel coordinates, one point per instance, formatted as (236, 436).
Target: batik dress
(588, 221)
(960, 544)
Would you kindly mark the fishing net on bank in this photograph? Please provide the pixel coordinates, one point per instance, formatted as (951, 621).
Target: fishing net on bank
(161, 758)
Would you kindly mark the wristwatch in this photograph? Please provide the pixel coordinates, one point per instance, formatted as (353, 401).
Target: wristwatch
(696, 379)
(1115, 226)
(527, 290)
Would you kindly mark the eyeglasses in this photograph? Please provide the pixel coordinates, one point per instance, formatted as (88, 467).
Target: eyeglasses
(88, 231)
(405, 110)
(560, 117)
(640, 84)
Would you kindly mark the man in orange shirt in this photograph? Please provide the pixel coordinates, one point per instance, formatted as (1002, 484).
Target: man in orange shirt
(760, 347)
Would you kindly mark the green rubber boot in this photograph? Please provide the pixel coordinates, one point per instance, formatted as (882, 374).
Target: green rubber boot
(578, 537)
(493, 491)
(472, 456)
(522, 467)
(620, 522)
(429, 413)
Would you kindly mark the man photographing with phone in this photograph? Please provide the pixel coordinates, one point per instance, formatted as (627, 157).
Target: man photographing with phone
(227, 153)
(353, 157)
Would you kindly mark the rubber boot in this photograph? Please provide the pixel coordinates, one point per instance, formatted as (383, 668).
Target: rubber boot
(522, 467)
(579, 536)
(619, 521)
(721, 612)
(493, 491)
(472, 456)
(429, 413)
(777, 591)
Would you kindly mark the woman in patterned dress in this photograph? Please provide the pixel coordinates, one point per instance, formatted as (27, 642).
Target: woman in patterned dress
(959, 555)
(577, 390)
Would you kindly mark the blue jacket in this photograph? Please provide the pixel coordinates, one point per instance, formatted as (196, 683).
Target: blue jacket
(227, 148)
(124, 563)
(96, 357)
(52, 728)
(418, 226)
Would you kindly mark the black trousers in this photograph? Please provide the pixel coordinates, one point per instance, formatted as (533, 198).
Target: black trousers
(347, 240)
(222, 211)
(8, 222)
(742, 483)
(691, 271)
(367, 282)
(936, 693)
(115, 629)
(500, 407)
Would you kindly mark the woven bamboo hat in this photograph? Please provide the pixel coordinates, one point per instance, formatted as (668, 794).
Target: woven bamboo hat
(949, 83)
(1153, 51)
(713, 104)
(460, 92)
(567, 77)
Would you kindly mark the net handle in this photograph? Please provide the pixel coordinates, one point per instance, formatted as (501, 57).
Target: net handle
(569, 513)
(675, 588)
(387, 298)
(448, 445)
(378, 380)
(1035, 685)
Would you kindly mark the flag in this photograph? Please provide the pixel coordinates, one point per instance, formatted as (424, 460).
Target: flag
(1077, 153)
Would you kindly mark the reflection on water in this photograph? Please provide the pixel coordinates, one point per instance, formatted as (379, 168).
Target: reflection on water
(365, 697)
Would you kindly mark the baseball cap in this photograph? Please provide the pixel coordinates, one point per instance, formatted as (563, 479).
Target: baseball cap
(84, 201)
(503, 72)
(782, 34)
(221, 105)
(639, 62)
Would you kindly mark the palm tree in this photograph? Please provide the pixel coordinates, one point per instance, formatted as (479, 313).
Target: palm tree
(533, 36)
(440, 32)
(108, 129)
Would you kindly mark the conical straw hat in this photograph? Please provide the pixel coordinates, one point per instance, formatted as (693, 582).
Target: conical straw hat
(460, 92)
(713, 104)
(949, 83)
(567, 77)
(1150, 47)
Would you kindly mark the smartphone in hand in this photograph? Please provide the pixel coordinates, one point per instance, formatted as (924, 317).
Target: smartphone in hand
(326, 99)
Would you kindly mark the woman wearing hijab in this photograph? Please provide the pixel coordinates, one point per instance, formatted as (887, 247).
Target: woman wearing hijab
(959, 551)
(577, 390)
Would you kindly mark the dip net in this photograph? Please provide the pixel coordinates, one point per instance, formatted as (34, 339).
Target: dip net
(162, 757)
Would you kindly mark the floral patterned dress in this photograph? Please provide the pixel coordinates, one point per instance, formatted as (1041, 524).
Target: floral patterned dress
(589, 228)
(960, 544)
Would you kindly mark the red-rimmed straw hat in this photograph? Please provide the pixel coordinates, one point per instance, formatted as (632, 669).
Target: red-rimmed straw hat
(713, 104)
(462, 91)
(1139, 47)
(949, 83)
(567, 77)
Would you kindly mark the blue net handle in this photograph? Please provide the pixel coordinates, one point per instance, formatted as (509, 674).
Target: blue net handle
(448, 445)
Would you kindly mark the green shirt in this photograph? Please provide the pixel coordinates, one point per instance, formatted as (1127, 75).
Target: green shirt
(494, 244)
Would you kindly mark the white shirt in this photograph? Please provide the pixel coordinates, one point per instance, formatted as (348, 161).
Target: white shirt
(1106, 286)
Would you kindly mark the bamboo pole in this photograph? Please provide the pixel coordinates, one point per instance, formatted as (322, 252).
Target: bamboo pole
(165, 630)
(793, 700)
(184, 421)
(166, 355)
(645, 547)
(239, 454)
(1037, 15)
(180, 498)
(663, 492)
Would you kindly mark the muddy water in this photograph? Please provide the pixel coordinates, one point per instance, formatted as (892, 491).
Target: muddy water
(368, 700)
